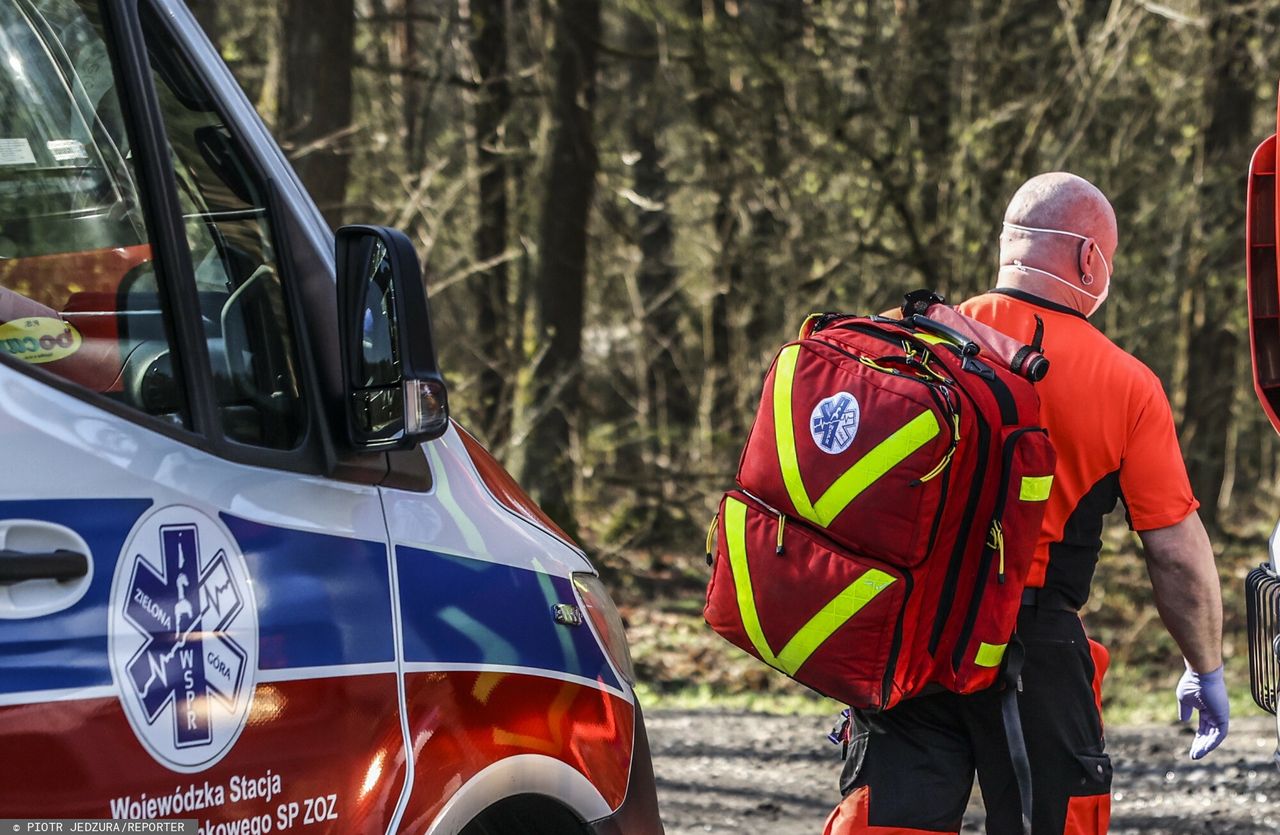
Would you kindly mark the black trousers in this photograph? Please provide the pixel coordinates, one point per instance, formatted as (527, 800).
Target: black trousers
(918, 760)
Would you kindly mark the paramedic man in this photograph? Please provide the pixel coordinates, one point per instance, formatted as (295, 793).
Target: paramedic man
(912, 767)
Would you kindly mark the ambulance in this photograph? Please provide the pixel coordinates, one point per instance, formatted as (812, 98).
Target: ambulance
(1262, 585)
(251, 573)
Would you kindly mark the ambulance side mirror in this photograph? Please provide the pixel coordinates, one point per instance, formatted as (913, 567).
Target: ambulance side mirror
(395, 395)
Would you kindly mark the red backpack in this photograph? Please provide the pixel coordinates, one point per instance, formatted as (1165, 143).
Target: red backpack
(892, 490)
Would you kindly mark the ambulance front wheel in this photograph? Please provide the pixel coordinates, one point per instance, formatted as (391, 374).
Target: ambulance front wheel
(526, 814)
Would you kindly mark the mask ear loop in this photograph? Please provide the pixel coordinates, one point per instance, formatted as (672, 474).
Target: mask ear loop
(1087, 246)
(1086, 278)
(1021, 267)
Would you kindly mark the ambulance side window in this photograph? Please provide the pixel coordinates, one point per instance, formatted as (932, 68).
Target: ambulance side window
(73, 237)
(252, 350)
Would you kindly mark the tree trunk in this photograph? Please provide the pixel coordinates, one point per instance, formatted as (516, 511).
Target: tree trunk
(414, 147)
(770, 277)
(492, 105)
(928, 28)
(315, 104)
(561, 282)
(1213, 350)
(664, 402)
(717, 412)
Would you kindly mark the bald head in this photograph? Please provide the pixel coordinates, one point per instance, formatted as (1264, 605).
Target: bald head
(1066, 203)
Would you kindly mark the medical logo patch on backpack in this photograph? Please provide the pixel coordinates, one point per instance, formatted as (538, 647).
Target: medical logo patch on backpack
(834, 422)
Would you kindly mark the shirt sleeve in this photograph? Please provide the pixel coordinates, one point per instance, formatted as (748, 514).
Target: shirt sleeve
(1153, 476)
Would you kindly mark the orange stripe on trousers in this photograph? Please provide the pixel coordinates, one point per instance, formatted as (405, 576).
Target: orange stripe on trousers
(851, 816)
(1101, 660)
(1088, 815)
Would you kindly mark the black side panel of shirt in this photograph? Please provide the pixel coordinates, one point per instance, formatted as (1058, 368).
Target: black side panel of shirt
(1073, 559)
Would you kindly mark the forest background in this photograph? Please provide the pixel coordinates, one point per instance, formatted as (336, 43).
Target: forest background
(624, 208)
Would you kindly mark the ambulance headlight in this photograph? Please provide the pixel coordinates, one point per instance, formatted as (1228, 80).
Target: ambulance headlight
(606, 621)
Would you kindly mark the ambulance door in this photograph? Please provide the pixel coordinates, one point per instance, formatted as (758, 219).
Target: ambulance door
(194, 621)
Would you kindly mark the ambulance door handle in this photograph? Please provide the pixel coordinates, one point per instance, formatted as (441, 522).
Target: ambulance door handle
(17, 566)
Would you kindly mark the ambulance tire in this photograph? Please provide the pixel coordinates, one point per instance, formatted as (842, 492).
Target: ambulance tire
(526, 814)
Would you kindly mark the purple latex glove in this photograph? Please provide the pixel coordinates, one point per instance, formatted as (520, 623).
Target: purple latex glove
(1207, 693)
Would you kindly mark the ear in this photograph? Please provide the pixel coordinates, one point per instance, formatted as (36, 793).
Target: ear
(1086, 262)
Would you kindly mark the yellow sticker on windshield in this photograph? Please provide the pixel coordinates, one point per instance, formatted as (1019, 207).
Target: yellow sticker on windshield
(39, 339)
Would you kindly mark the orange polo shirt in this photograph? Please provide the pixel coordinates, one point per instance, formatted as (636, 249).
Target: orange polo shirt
(1111, 425)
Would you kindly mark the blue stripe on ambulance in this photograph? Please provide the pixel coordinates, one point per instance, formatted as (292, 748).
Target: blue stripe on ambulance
(69, 648)
(458, 610)
(322, 600)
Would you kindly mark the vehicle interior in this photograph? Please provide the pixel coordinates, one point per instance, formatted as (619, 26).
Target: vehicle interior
(75, 242)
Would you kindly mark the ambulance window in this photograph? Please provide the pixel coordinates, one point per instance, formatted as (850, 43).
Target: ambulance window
(73, 238)
(252, 352)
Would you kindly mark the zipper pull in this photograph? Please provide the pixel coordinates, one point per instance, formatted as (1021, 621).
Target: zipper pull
(946, 459)
(996, 542)
(711, 539)
(782, 526)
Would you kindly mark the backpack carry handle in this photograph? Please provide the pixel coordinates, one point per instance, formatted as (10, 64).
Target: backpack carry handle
(919, 301)
(968, 348)
(1027, 361)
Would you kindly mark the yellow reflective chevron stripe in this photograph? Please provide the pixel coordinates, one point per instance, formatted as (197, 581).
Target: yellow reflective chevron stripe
(832, 616)
(989, 655)
(735, 531)
(784, 376)
(1035, 488)
(820, 627)
(886, 455)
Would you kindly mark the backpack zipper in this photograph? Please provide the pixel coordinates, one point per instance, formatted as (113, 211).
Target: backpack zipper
(996, 542)
(891, 663)
(864, 326)
(711, 538)
(944, 491)
(947, 599)
(993, 546)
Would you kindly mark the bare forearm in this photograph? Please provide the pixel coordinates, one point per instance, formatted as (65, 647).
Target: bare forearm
(1188, 596)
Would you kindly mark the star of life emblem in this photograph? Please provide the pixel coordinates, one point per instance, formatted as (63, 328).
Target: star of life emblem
(184, 637)
(834, 422)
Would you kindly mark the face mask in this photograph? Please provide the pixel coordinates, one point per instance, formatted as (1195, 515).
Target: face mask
(1098, 298)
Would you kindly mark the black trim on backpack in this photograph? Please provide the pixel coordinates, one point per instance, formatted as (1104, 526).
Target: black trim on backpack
(988, 552)
(895, 649)
(999, 389)
(966, 528)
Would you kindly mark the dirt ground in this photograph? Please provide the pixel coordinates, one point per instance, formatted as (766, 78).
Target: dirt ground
(722, 772)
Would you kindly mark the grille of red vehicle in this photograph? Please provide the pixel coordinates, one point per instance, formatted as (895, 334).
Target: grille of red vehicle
(1262, 588)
